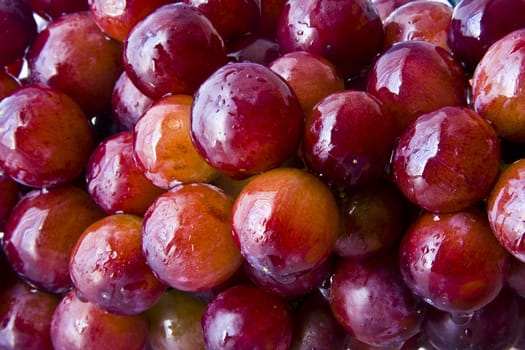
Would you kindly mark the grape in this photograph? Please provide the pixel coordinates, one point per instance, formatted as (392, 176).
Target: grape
(78, 325)
(172, 50)
(162, 144)
(17, 28)
(86, 71)
(328, 28)
(245, 119)
(9, 195)
(41, 232)
(244, 317)
(55, 8)
(115, 181)
(25, 318)
(497, 83)
(453, 260)
(108, 267)
(186, 237)
(45, 138)
(251, 48)
(447, 160)
(270, 233)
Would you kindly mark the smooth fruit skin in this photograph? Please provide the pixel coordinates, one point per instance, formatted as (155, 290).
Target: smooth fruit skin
(17, 29)
(162, 144)
(79, 325)
(477, 24)
(45, 137)
(86, 71)
(25, 317)
(245, 120)
(9, 196)
(186, 237)
(416, 77)
(505, 209)
(447, 160)
(348, 139)
(55, 8)
(115, 181)
(244, 317)
(285, 221)
(41, 232)
(329, 28)
(108, 267)
(127, 102)
(453, 260)
(173, 50)
(370, 300)
(498, 83)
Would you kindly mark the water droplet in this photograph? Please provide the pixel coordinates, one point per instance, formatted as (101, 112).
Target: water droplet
(468, 332)
(105, 295)
(300, 32)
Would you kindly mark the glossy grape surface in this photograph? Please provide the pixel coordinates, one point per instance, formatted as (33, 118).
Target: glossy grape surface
(108, 267)
(447, 160)
(245, 119)
(244, 317)
(327, 28)
(173, 50)
(453, 260)
(9, 195)
(497, 86)
(348, 139)
(285, 222)
(45, 138)
(186, 237)
(17, 28)
(87, 70)
(41, 232)
(115, 181)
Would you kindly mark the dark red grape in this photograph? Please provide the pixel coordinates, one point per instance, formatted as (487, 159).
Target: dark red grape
(386, 7)
(348, 138)
(9, 195)
(55, 8)
(315, 327)
(269, 17)
(244, 317)
(8, 84)
(329, 28)
(245, 119)
(115, 181)
(128, 103)
(497, 86)
(285, 222)
(17, 30)
(41, 232)
(117, 18)
(162, 144)
(447, 160)
(86, 71)
(505, 208)
(370, 300)
(231, 18)
(45, 137)
(187, 240)
(252, 48)
(173, 50)
(453, 260)
(477, 24)
(495, 326)
(416, 77)
(175, 322)
(78, 325)
(108, 267)
(515, 279)
(25, 318)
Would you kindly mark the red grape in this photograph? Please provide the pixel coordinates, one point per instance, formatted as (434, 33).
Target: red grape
(453, 260)
(447, 160)
(45, 137)
(173, 50)
(17, 29)
(55, 8)
(108, 267)
(245, 119)
(9, 195)
(86, 71)
(41, 232)
(285, 222)
(187, 237)
(244, 317)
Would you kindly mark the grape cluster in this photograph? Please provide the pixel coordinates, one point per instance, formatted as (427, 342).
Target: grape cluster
(262, 174)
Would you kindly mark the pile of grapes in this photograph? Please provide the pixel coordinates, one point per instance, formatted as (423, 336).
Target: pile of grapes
(262, 174)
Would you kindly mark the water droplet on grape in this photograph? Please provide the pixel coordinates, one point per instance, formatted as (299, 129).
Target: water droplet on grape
(468, 332)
